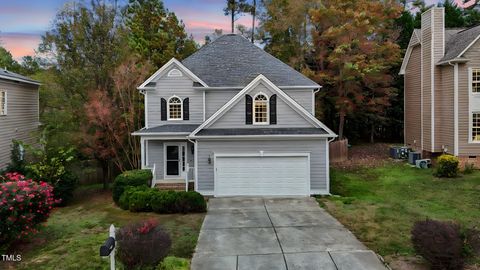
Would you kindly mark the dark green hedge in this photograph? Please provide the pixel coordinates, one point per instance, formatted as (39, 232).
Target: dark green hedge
(134, 178)
(145, 199)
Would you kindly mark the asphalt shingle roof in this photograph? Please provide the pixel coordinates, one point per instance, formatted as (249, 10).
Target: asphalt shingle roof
(14, 76)
(233, 61)
(170, 128)
(458, 42)
(261, 131)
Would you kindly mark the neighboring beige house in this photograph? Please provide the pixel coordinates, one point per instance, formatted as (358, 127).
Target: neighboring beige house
(19, 107)
(441, 70)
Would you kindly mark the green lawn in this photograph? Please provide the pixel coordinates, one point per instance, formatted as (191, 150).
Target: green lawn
(72, 237)
(381, 204)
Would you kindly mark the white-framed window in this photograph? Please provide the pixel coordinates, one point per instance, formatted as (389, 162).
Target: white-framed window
(475, 80)
(260, 109)
(3, 102)
(475, 127)
(175, 108)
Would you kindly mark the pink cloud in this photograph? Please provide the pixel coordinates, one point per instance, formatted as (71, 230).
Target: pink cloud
(20, 45)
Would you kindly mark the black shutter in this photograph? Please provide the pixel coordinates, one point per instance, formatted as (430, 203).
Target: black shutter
(186, 109)
(273, 110)
(248, 110)
(163, 110)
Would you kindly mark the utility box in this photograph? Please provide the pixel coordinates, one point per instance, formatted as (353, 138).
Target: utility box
(413, 157)
(423, 163)
(399, 152)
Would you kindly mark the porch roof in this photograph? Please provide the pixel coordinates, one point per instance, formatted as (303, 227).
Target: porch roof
(260, 131)
(168, 129)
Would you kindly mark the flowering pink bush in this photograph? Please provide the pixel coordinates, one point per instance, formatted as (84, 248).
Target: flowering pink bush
(24, 204)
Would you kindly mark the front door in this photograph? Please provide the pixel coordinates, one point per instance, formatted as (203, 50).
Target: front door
(173, 160)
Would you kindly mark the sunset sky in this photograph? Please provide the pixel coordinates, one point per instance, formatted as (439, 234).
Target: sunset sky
(22, 22)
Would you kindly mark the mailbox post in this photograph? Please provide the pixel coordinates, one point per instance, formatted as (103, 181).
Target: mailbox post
(108, 248)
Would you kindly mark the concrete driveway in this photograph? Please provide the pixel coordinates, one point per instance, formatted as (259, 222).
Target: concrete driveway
(277, 233)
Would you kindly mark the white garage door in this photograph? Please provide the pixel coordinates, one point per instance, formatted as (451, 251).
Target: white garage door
(262, 175)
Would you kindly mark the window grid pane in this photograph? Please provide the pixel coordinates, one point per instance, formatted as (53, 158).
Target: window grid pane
(260, 112)
(476, 126)
(476, 80)
(175, 108)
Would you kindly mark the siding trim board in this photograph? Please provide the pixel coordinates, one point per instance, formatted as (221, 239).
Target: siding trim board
(455, 109)
(473, 105)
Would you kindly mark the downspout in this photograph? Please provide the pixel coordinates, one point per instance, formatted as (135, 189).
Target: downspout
(455, 107)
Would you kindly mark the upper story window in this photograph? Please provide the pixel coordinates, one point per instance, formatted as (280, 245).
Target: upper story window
(260, 109)
(476, 80)
(3, 102)
(174, 108)
(476, 126)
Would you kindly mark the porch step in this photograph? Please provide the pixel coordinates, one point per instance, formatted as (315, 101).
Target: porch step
(174, 186)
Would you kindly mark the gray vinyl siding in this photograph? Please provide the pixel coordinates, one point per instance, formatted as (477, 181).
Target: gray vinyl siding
(155, 156)
(316, 148)
(465, 148)
(21, 121)
(215, 99)
(167, 87)
(286, 116)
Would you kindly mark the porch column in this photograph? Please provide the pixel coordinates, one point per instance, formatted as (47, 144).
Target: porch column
(142, 153)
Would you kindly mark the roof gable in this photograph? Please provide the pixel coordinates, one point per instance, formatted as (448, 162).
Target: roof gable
(415, 39)
(460, 42)
(233, 61)
(272, 87)
(172, 63)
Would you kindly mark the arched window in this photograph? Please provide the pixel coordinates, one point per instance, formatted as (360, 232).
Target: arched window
(260, 109)
(174, 108)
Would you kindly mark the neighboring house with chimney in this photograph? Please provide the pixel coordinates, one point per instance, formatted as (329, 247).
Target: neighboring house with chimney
(19, 111)
(441, 70)
(232, 120)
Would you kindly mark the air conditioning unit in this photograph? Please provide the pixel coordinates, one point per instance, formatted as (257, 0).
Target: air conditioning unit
(413, 157)
(423, 163)
(399, 152)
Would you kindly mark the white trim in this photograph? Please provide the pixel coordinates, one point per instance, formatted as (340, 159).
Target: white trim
(260, 78)
(263, 136)
(241, 87)
(205, 192)
(406, 57)
(405, 112)
(327, 164)
(140, 133)
(204, 108)
(196, 165)
(175, 73)
(142, 153)
(172, 61)
(455, 109)
(468, 47)
(18, 80)
(145, 95)
(268, 109)
(471, 110)
(5, 105)
(180, 157)
(421, 94)
(262, 154)
(147, 161)
(319, 192)
(432, 83)
(168, 109)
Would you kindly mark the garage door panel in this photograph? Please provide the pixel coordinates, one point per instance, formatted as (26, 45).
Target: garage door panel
(267, 175)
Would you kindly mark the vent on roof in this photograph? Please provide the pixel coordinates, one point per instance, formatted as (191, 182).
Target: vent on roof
(174, 73)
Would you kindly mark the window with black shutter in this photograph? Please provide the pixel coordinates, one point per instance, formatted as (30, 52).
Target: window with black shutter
(273, 110)
(163, 109)
(248, 109)
(186, 109)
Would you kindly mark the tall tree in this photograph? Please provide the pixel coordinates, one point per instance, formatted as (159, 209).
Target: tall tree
(235, 8)
(354, 44)
(454, 16)
(7, 61)
(155, 33)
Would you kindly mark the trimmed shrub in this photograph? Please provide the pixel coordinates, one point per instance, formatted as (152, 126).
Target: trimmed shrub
(132, 178)
(142, 244)
(124, 201)
(140, 200)
(190, 202)
(440, 243)
(24, 204)
(174, 263)
(164, 202)
(447, 166)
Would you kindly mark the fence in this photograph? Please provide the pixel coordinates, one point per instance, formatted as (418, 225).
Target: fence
(338, 151)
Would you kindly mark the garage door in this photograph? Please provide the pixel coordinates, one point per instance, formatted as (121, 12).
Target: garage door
(262, 176)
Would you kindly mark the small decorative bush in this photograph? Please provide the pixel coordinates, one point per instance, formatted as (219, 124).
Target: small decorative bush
(174, 263)
(124, 201)
(468, 168)
(164, 202)
(447, 166)
(142, 244)
(132, 178)
(190, 202)
(140, 200)
(440, 243)
(24, 204)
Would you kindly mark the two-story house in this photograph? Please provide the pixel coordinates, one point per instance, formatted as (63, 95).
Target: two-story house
(441, 70)
(19, 108)
(233, 120)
